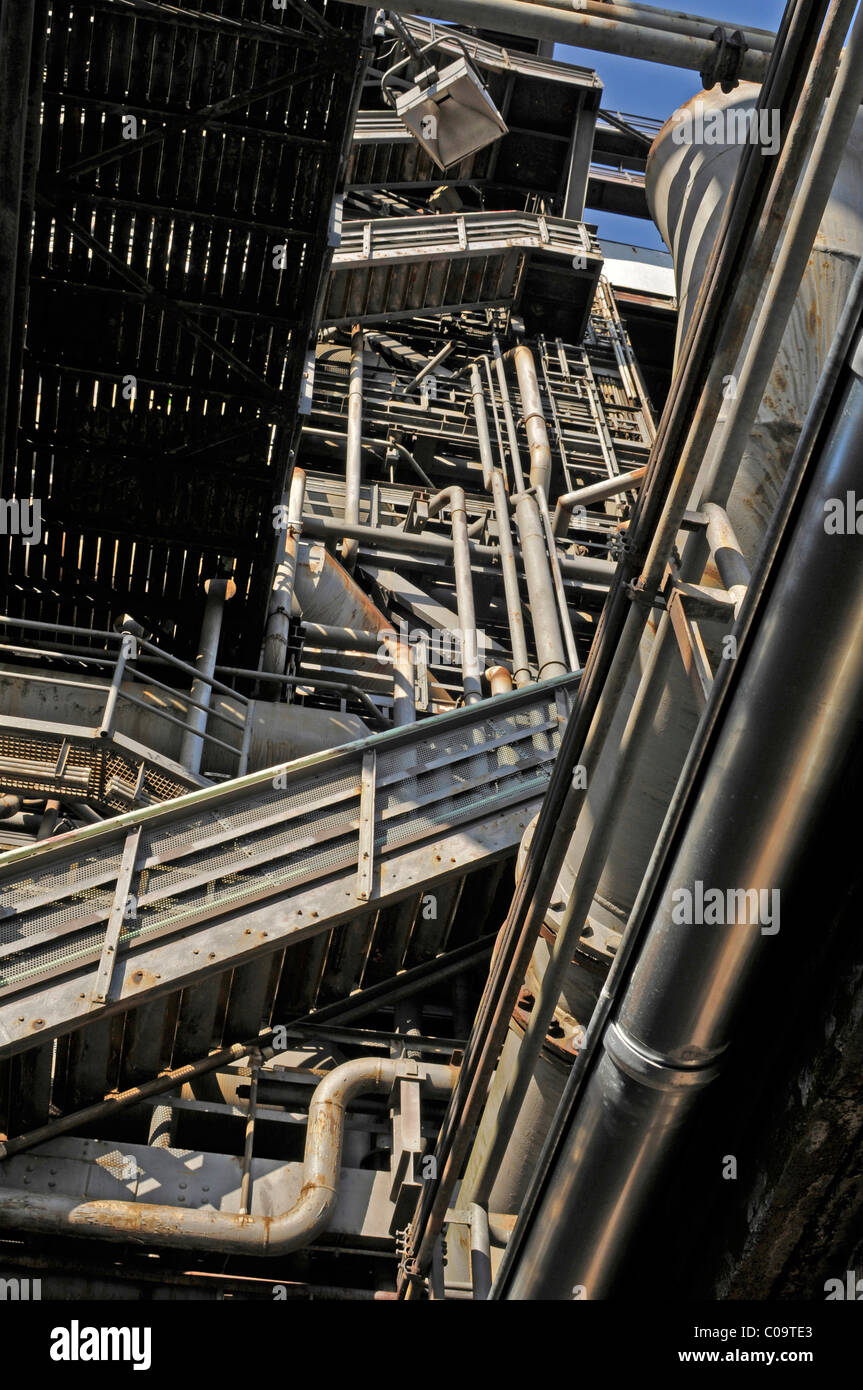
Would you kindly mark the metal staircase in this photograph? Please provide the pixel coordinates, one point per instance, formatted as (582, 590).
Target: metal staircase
(192, 913)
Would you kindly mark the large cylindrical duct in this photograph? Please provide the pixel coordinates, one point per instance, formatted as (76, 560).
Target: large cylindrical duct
(687, 186)
(689, 176)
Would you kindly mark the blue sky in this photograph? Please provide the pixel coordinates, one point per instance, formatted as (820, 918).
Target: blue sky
(651, 89)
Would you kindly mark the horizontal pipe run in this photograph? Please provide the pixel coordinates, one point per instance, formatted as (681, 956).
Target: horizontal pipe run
(557, 21)
(389, 537)
(204, 1228)
(593, 492)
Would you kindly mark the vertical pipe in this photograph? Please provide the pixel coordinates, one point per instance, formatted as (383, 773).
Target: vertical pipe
(520, 661)
(192, 747)
(480, 1252)
(471, 683)
(493, 482)
(557, 581)
(550, 654)
(534, 418)
(404, 703)
(249, 1141)
(512, 434)
(278, 620)
(481, 418)
(499, 679)
(109, 714)
(354, 448)
(49, 819)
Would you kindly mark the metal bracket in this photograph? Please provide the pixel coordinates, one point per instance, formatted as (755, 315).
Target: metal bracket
(692, 649)
(116, 916)
(724, 65)
(366, 838)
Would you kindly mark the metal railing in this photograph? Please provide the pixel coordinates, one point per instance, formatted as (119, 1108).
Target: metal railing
(125, 666)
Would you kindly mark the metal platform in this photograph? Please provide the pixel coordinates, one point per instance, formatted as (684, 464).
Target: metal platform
(396, 267)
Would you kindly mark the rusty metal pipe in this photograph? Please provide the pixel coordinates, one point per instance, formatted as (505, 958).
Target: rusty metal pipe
(202, 1228)
(534, 417)
(554, 19)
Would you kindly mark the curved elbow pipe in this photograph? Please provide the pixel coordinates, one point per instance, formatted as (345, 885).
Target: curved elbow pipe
(534, 419)
(231, 1233)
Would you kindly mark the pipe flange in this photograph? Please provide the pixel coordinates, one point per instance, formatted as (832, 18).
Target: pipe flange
(724, 66)
(651, 1070)
(565, 1036)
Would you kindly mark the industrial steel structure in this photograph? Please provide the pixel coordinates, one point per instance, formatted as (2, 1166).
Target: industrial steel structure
(431, 656)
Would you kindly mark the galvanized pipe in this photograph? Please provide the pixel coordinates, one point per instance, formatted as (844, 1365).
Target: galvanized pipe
(279, 616)
(353, 450)
(192, 746)
(534, 418)
(593, 492)
(555, 20)
(205, 1228)
(471, 671)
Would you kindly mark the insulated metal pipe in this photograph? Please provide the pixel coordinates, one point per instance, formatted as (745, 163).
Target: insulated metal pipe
(555, 20)
(218, 592)
(279, 616)
(550, 653)
(354, 448)
(230, 1233)
(675, 1020)
(593, 492)
(534, 417)
(471, 670)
